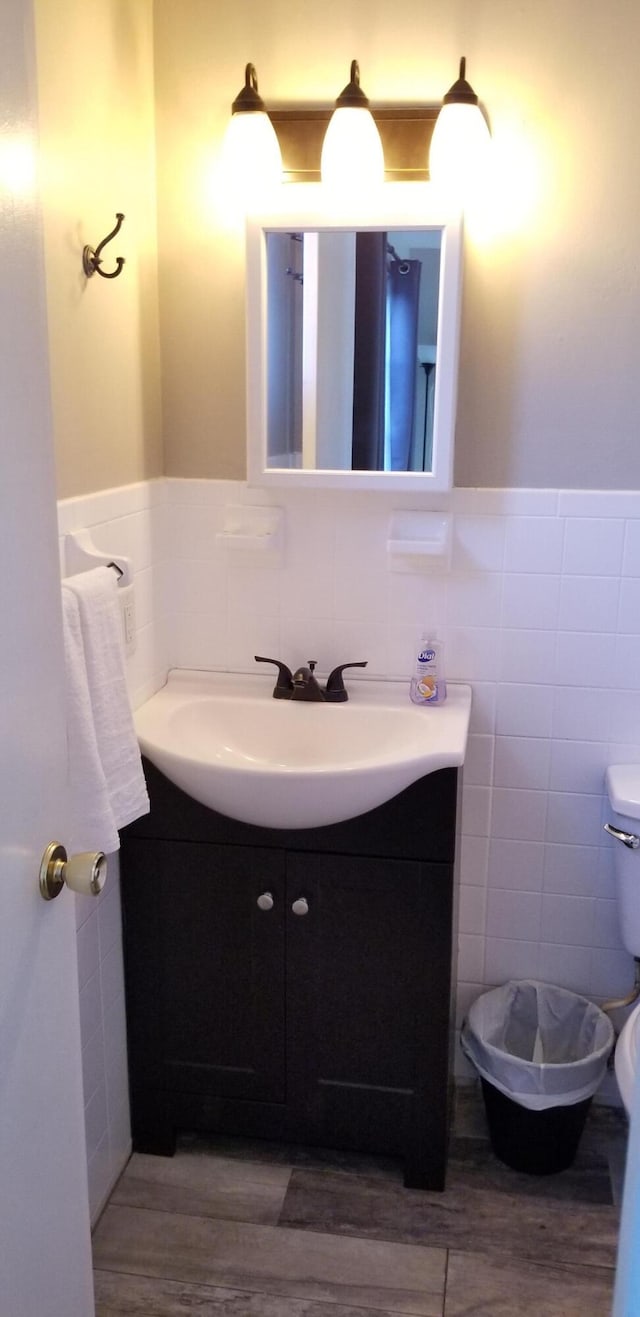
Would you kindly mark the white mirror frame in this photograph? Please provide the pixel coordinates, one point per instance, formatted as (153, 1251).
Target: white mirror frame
(309, 206)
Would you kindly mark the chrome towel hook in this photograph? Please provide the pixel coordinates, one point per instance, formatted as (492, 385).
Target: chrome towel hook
(92, 260)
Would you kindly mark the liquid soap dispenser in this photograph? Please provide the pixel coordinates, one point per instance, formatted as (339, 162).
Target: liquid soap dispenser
(428, 685)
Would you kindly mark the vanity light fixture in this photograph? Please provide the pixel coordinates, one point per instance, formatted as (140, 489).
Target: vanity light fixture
(354, 147)
(251, 148)
(460, 139)
(352, 156)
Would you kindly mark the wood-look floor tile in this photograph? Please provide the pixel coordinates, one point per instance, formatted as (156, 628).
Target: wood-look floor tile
(469, 1116)
(465, 1216)
(398, 1278)
(473, 1163)
(119, 1295)
(603, 1124)
(203, 1185)
(296, 1155)
(492, 1287)
(617, 1159)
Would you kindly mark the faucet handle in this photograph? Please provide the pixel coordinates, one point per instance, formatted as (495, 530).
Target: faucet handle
(335, 691)
(284, 685)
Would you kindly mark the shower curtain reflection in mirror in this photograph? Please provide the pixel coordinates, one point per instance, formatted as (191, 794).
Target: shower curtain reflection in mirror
(351, 358)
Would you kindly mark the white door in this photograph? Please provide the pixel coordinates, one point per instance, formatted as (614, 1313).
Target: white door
(45, 1255)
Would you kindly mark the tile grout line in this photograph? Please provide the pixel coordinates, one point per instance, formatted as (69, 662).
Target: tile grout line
(446, 1282)
(284, 1196)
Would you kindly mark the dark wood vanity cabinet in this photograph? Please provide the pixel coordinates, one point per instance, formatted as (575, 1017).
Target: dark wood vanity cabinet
(293, 985)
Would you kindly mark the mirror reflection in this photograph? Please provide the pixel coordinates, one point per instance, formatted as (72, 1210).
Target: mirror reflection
(352, 338)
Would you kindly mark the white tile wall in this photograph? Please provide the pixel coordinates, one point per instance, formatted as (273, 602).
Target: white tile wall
(129, 521)
(539, 613)
(132, 522)
(104, 1038)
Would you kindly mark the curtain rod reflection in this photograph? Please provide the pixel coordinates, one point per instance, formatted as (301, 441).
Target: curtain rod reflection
(404, 266)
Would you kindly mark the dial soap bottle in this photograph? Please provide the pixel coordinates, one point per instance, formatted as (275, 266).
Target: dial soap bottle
(428, 685)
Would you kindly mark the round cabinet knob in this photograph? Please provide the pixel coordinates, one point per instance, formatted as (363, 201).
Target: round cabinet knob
(85, 872)
(265, 901)
(301, 906)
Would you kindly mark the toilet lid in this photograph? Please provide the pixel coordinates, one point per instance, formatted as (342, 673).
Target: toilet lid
(623, 785)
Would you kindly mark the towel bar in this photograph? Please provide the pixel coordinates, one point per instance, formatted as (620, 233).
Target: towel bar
(80, 554)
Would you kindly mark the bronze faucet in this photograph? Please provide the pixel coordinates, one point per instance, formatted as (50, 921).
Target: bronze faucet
(302, 685)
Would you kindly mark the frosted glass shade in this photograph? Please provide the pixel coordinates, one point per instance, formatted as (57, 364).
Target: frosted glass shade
(459, 149)
(251, 152)
(352, 156)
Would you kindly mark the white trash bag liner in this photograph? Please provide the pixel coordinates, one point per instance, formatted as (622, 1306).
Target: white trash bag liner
(539, 1045)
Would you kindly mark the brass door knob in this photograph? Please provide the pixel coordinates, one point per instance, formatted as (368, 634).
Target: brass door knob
(85, 872)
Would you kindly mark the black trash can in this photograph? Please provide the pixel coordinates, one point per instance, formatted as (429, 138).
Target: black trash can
(541, 1053)
(537, 1142)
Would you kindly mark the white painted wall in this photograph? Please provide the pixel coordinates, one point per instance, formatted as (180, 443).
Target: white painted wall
(96, 93)
(549, 390)
(332, 318)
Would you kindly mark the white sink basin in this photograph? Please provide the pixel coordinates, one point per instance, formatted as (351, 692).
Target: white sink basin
(224, 740)
(626, 1057)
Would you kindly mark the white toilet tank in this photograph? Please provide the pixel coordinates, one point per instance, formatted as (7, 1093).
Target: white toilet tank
(623, 785)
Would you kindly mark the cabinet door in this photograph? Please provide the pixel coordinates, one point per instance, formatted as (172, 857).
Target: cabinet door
(368, 1004)
(205, 975)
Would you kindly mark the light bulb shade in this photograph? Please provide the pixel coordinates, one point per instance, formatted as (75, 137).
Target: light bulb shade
(460, 141)
(251, 152)
(459, 149)
(352, 156)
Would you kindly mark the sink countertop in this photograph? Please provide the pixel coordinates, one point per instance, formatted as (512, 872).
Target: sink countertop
(223, 739)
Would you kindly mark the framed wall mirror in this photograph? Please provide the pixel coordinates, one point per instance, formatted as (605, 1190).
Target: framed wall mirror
(353, 321)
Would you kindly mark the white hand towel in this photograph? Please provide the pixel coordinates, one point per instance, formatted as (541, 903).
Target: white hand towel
(101, 624)
(91, 825)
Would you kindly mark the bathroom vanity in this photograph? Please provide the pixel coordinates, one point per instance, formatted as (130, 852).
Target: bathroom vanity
(293, 984)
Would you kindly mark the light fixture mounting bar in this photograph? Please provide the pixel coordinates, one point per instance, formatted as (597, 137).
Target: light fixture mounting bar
(405, 131)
